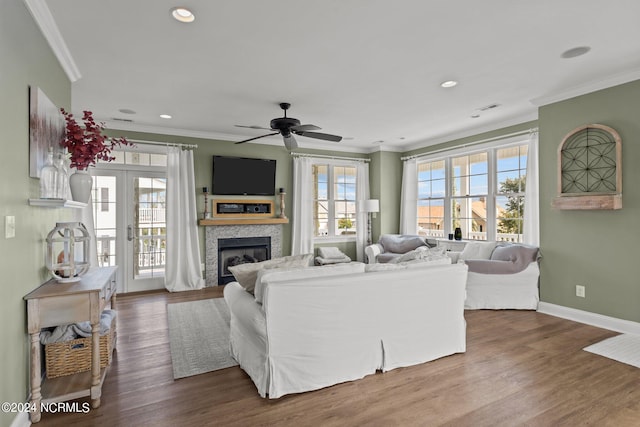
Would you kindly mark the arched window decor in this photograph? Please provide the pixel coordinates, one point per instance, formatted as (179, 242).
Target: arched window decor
(590, 169)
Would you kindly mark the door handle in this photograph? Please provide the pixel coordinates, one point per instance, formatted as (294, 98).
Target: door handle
(129, 232)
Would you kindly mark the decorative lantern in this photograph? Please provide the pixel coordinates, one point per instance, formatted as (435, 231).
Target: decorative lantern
(68, 251)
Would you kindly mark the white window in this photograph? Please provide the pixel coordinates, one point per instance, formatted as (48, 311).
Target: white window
(334, 207)
(480, 192)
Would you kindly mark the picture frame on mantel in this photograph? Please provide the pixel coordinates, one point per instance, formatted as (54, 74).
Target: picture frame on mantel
(46, 129)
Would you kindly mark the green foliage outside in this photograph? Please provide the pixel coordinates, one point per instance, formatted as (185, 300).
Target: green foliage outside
(511, 220)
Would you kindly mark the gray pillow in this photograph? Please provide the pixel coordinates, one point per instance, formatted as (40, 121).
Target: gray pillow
(400, 243)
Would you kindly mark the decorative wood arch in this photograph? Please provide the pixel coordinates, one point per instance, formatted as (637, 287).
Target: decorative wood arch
(590, 169)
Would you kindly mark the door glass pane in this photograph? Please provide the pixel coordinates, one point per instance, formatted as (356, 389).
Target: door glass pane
(104, 217)
(149, 228)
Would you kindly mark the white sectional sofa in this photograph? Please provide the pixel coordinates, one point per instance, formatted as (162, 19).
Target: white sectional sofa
(320, 326)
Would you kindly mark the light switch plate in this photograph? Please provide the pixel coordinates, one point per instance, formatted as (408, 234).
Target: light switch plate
(9, 226)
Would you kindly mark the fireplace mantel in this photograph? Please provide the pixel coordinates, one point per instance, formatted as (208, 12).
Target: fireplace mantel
(242, 221)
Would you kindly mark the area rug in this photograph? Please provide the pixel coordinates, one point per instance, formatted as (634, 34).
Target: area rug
(199, 337)
(624, 348)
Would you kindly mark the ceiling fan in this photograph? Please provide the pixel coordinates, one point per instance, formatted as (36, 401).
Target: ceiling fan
(287, 127)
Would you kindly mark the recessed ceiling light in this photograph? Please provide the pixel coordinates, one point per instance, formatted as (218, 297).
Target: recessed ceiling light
(576, 51)
(449, 83)
(182, 14)
(126, 111)
(165, 116)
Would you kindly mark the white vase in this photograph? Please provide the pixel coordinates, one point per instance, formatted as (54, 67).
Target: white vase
(80, 183)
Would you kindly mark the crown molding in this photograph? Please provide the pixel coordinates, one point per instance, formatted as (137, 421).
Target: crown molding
(43, 18)
(595, 85)
(523, 118)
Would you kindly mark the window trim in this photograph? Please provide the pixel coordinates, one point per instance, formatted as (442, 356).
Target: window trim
(332, 163)
(491, 148)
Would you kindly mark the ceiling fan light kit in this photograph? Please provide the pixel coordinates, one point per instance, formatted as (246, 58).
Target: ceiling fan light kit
(288, 126)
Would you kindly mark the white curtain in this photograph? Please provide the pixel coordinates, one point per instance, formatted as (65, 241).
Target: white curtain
(531, 216)
(182, 268)
(362, 194)
(409, 198)
(85, 216)
(302, 222)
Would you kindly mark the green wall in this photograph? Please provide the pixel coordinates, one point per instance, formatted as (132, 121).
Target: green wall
(203, 169)
(26, 61)
(593, 248)
(385, 183)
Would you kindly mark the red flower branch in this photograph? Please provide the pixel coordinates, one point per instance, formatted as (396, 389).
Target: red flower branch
(87, 144)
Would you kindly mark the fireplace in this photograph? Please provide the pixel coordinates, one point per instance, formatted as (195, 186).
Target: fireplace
(217, 232)
(240, 250)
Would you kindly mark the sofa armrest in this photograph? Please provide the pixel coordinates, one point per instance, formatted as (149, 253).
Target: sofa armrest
(371, 252)
(454, 255)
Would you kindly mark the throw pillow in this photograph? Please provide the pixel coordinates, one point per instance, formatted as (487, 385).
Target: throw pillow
(421, 253)
(477, 250)
(246, 274)
(400, 244)
(330, 252)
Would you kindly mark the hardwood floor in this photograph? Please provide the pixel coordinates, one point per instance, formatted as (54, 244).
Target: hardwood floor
(521, 368)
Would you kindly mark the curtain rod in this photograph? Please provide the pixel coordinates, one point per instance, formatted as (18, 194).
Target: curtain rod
(471, 144)
(322, 156)
(167, 144)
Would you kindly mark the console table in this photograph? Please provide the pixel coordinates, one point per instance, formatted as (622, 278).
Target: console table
(55, 304)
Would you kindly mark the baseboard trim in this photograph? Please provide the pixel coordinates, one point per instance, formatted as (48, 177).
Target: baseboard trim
(593, 319)
(21, 420)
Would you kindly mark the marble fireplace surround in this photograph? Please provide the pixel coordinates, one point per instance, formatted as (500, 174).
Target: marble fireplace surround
(215, 232)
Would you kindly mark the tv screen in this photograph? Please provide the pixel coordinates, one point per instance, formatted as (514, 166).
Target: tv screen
(243, 176)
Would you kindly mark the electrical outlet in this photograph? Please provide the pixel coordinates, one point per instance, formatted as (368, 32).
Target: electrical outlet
(9, 226)
(580, 291)
(202, 266)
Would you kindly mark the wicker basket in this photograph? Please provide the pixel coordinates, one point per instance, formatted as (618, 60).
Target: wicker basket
(71, 357)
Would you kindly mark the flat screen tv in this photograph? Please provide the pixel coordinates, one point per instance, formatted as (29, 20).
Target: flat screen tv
(243, 176)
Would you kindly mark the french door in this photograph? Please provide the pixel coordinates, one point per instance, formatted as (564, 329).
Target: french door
(129, 211)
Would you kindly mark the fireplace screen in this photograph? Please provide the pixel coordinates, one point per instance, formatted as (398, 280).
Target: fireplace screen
(240, 250)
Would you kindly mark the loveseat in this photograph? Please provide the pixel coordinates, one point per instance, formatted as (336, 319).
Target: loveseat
(391, 246)
(501, 275)
(305, 329)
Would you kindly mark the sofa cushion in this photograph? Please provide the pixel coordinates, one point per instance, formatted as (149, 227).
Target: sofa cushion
(477, 250)
(401, 243)
(420, 253)
(515, 252)
(246, 274)
(276, 274)
(386, 257)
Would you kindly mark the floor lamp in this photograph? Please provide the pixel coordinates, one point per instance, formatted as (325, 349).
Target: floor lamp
(370, 206)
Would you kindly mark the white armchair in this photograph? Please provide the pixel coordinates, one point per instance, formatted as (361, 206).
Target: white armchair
(391, 246)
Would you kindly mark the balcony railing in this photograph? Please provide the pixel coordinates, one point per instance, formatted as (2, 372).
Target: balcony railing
(152, 215)
(151, 256)
(474, 235)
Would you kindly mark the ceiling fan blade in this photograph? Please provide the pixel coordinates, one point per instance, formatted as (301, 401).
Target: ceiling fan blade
(252, 127)
(300, 128)
(290, 142)
(317, 135)
(257, 137)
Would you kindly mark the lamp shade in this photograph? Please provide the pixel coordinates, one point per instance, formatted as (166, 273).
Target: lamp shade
(370, 205)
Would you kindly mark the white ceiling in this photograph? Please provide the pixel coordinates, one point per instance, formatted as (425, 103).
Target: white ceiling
(369, 70)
